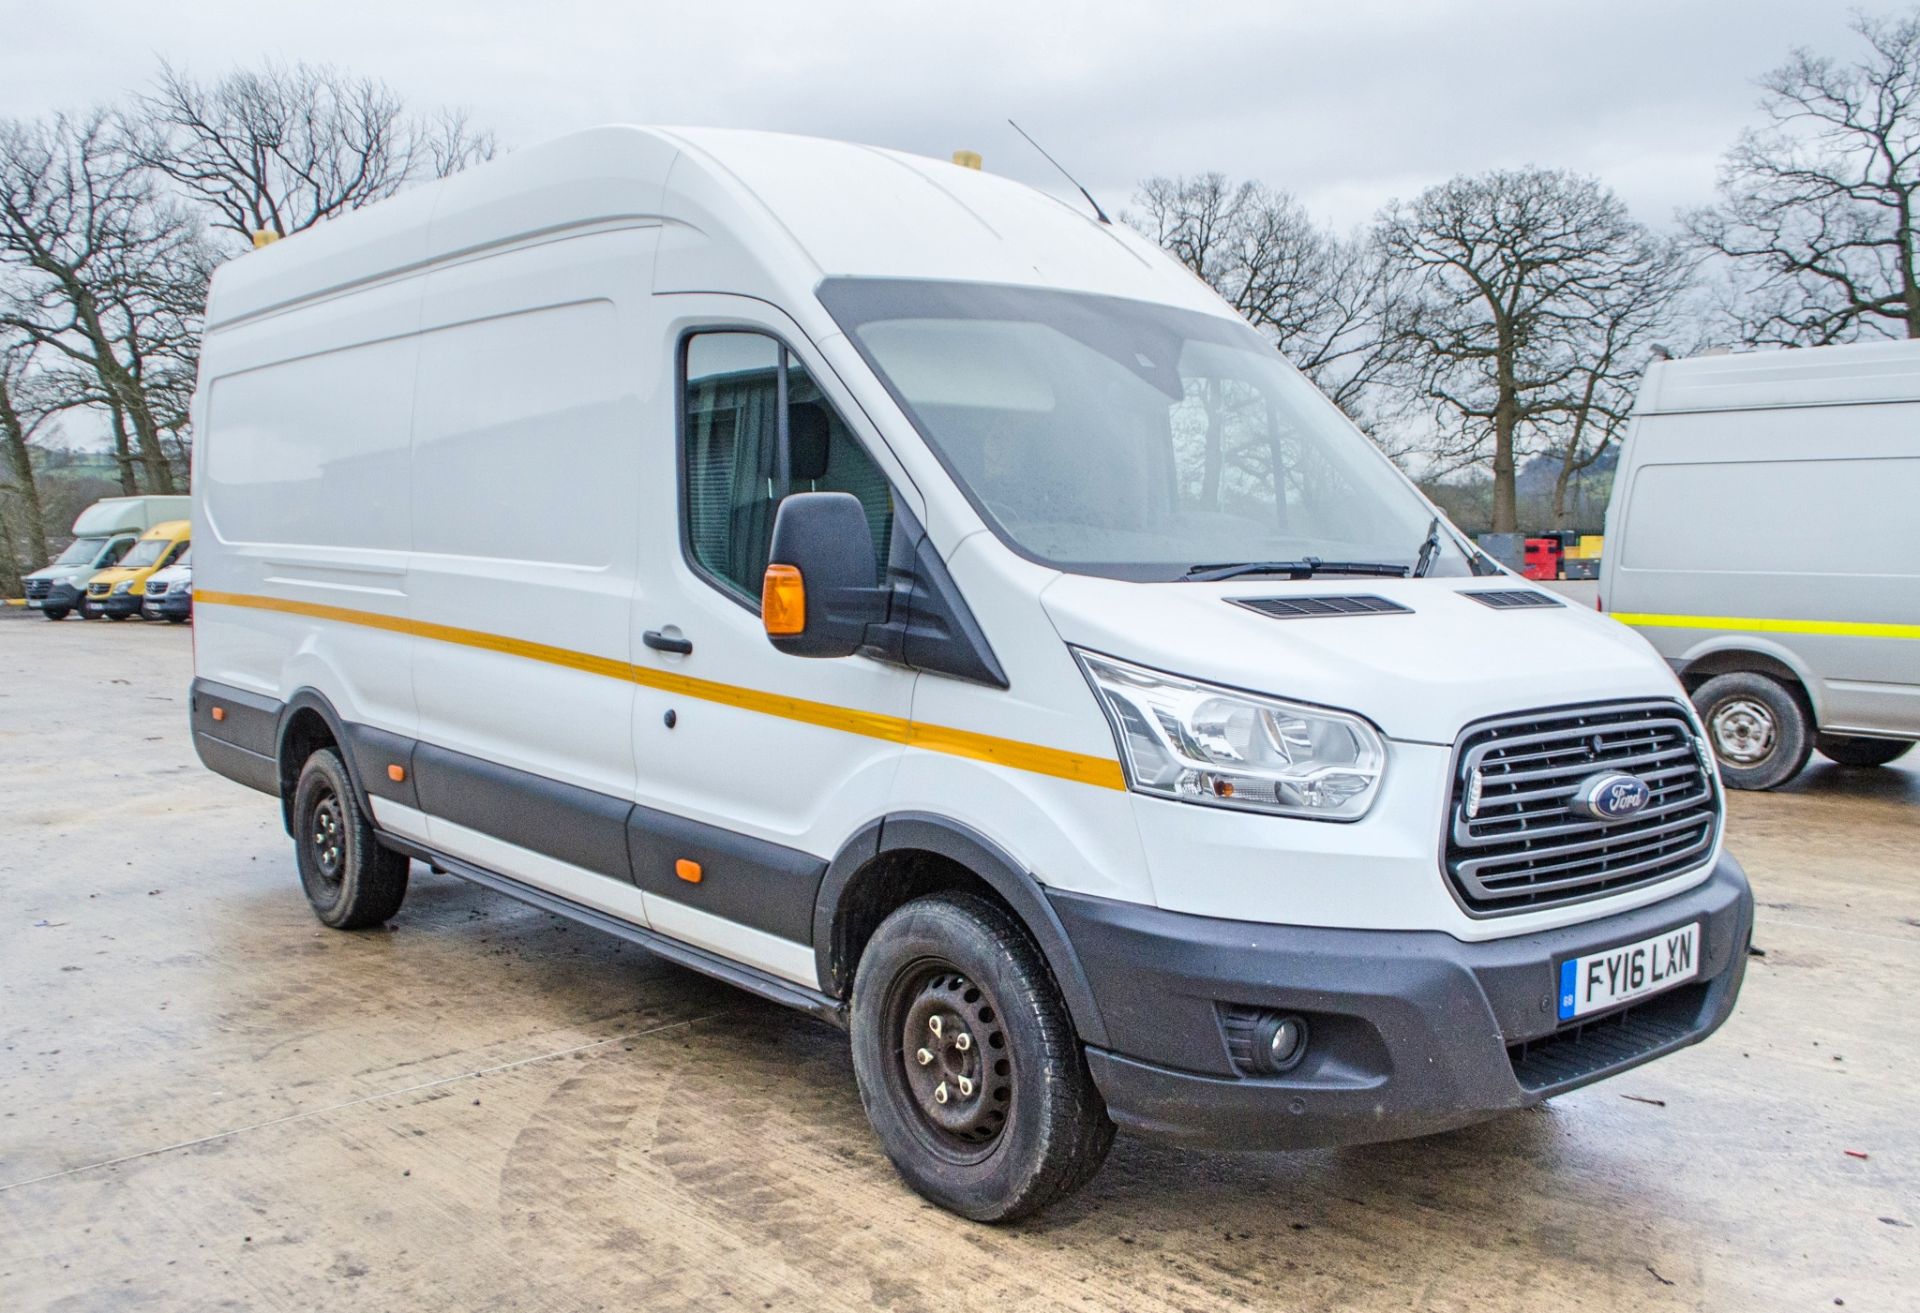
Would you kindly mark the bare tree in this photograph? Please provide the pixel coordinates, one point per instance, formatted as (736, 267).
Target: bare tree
(282, 147)
(1314, 294)
(93, 249)
(1517, 299)
(1819, 206)
(22, 414)
(1627, 314)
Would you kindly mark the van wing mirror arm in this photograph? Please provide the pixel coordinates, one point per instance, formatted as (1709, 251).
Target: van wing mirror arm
(928, 625)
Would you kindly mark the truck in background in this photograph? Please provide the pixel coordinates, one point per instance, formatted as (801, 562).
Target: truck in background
(1761, 538)
(102, 535)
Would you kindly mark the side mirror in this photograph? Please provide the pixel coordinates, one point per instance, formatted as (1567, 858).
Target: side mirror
(819, 595)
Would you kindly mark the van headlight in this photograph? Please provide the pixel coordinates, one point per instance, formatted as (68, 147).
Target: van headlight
(122, 589)
(1197, 742)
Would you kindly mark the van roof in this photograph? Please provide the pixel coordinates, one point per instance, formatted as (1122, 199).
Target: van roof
(169, 529)
(757, 213)
(1804, 376)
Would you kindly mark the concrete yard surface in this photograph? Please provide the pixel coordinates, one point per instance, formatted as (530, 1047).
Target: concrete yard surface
(207, 1101)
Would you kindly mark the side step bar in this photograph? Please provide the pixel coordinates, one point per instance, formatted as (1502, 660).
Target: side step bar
(751, 979)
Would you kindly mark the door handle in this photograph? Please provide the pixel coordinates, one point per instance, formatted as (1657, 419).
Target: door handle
(660, 642)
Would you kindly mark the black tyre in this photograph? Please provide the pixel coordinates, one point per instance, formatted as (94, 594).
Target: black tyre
(350, 879)
(1853, 750)
(55, 613)
(1760, 730)
(176, 620)
(116, 615)
(968, 1064)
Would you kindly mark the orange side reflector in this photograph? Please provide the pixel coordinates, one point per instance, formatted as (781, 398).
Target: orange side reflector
(783, 600)
(688, 871)
(397, 773)
(219, 713)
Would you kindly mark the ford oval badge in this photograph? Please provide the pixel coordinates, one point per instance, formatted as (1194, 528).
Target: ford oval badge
(1611, 796)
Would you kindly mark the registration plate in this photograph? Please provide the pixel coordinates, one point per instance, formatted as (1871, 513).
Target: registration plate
(1619, 975)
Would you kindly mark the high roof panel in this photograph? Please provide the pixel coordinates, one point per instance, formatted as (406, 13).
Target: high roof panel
(1808, 376)
(755, 212)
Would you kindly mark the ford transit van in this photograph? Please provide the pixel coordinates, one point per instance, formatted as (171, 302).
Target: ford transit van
(102, 534)
(1761, 538)
(896, 592)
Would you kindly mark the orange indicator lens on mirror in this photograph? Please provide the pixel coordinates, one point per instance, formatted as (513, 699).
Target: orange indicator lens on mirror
(397, 773)
(783, 600)
(688, 871)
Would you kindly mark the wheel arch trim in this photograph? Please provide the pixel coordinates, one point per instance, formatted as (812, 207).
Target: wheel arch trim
(1016, 886)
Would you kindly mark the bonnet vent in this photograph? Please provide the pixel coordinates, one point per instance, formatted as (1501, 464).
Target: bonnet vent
(1503, 599)
(1307, 608)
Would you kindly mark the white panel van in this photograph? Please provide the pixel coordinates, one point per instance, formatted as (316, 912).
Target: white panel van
(1761, 537)
(884, 587)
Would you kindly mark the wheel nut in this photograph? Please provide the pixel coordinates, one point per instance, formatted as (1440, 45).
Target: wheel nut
(940, 1093)
(963, 1041)
(966, 1087)
(933, 1024)
(923, 1057)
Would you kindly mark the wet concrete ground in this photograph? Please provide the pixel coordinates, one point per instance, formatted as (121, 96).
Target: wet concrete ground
(209, 1102)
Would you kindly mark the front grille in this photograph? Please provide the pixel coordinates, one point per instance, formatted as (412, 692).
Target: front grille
(1300, 608)
(1515, 843)
(97, 590)
(156, 590)
(38, 589)
(1585, 1048)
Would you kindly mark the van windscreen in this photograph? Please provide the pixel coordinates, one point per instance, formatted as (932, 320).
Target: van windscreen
(81, 551)
(1129, 439)
(146, 552)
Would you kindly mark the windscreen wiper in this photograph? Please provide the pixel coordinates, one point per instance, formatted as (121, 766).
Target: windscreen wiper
(1305, 568)
(1428, 549)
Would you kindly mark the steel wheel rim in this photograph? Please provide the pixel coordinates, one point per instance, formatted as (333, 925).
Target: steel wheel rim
(326, 836)
(1744, 731)
(951, 1060)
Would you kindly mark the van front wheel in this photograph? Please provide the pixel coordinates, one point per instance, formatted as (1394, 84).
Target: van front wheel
(1759, 730)
(351, 881)
(968, 1064)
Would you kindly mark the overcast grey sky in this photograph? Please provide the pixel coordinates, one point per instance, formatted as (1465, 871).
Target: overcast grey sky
(1347, 103)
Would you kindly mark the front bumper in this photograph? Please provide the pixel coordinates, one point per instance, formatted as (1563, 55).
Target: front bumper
(1409, 1032)
(62, 596)
(167, 605)
(114, 604)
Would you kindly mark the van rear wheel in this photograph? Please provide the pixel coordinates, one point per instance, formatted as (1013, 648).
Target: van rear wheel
(351, 881)
(1761, 733)
(968, 1064)
(1854, 750)
(55, 613)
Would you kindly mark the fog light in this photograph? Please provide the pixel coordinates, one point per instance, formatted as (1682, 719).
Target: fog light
(1279, 1042)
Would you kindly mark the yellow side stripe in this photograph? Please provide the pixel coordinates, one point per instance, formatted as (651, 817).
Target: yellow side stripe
(1103, 772)
(1842, 628)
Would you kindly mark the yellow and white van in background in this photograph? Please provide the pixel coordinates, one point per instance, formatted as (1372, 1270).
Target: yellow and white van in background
(117, 591)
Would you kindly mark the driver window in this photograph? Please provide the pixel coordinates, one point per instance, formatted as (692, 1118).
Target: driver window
(742, 393)
(115, 550)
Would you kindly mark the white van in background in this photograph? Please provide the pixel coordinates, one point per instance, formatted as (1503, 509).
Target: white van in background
(887, 588)
(1761, 536)
(102, 534)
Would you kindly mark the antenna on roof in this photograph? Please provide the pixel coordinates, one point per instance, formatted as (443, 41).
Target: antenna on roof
(1098, 212)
